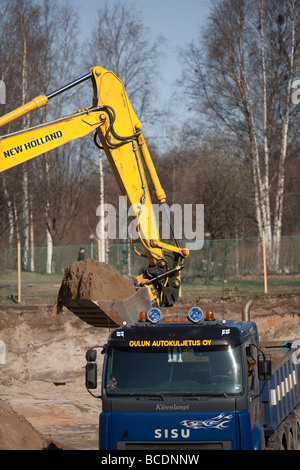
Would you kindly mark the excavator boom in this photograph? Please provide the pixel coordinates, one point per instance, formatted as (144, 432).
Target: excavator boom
(120, 134)
(23, 145)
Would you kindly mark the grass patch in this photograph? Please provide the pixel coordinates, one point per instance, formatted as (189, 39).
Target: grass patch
(42, 288)
(35, 287)
(29, 277)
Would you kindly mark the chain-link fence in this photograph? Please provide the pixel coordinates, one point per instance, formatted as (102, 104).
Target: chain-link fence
(217, 259)
(235, 264)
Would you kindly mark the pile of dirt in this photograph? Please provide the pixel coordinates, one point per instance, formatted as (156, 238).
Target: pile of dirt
(90, 279)
(16, 433)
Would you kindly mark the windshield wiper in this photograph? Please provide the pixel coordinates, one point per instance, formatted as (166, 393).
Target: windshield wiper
(207, 394)
(147, 395)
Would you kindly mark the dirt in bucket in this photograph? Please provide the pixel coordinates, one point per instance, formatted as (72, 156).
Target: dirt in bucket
(90, 279)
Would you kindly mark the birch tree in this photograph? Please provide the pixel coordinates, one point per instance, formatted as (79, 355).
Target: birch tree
(25, 124)
(26, 19)
(7, 43)
(58, 65)
(241, 73)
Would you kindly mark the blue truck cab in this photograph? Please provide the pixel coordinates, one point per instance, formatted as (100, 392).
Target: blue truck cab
(190, 383)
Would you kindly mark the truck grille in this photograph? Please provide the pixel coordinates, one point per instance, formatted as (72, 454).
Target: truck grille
(208, 445)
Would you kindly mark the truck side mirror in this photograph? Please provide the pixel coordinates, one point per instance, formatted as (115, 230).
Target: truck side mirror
(91, 355)
(264, 367)
(91, 369)
(91, 375)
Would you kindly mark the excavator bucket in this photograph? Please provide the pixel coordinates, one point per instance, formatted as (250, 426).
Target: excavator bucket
(108, 313)
(100, 295)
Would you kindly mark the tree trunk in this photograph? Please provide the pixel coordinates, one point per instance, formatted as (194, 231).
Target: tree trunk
(10, 213)
(49, 243)
(31, 237)
(49, 234)
(25, 220)
(101, 221)
(25, 123)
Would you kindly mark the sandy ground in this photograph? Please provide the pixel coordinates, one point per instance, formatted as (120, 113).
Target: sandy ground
(43, 400)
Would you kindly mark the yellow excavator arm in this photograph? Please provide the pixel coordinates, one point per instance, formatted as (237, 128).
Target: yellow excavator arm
(120, 134)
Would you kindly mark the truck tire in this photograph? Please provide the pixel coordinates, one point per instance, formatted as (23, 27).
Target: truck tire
(286, 436)
(297, 447)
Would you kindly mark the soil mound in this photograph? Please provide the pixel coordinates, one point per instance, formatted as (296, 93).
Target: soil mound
(90, 279)
(16, 433)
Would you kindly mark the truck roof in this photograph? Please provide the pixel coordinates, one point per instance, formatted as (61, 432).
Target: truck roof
(181, 332)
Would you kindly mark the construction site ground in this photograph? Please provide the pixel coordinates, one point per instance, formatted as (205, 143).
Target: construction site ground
(43, 400)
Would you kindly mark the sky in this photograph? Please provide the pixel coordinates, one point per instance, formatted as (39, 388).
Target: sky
(179, 21)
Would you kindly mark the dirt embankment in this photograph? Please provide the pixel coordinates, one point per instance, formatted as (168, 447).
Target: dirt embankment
(42, 376)
(16, 432)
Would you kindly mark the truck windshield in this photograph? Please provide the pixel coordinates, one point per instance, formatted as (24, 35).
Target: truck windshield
(171, 371)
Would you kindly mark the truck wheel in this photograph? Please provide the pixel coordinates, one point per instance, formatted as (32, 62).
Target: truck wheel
(277, 440)
(292, 427)
(286, 436)
(297, 440)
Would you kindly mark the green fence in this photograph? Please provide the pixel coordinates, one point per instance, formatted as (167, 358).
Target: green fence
(232, 265)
